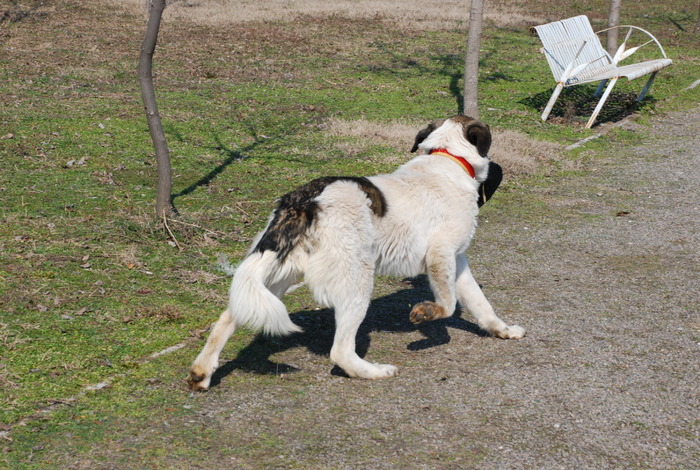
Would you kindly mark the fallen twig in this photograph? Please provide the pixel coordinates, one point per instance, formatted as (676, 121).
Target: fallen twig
(213, 232)
(583, 141)
(165, 223)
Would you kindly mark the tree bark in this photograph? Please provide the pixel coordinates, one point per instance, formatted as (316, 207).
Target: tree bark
(471, 63)
(613, 20)
(145, 73)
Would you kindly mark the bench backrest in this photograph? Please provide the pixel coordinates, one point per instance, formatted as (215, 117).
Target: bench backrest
(563, 40)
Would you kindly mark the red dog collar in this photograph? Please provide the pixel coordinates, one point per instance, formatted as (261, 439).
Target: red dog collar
(461, 161)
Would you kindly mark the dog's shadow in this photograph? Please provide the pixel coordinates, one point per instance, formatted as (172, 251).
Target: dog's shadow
(389, 313)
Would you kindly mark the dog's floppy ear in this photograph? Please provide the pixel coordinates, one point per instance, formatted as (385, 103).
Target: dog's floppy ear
(479, 135)
(491, 183)
(423, 134)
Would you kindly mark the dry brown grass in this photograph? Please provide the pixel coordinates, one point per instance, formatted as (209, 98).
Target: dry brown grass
(357, 136)
(163, 313)
(197, 277)
(129, 257)
(394, 133)
(518, 154)
(410, 14)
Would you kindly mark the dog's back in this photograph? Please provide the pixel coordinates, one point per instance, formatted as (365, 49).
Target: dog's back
(297, 211)
(320, 230)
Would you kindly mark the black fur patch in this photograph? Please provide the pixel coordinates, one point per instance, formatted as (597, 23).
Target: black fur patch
(297, 211)
(491, 183)
(424, 133)
(476, 132)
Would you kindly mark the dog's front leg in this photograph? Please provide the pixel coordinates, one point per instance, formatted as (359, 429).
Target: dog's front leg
(441, 267)
(472, 298)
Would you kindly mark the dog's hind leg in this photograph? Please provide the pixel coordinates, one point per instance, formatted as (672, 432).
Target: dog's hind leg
(206, 363)
(340, 272)
(348, 317)
(344, 282)
(472, 298)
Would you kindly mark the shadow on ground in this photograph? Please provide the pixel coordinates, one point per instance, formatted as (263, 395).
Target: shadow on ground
(576, 104)
(388, 313)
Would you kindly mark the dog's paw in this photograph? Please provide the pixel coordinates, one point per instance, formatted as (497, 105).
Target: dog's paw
(380, 371)
(388, 370)
(370, 371)
(512, 332)
(426, 311)
(198, 381)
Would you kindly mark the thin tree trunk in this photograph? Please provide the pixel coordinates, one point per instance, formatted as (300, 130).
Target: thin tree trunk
(613, 20)
(148, 95)
(697, 24)
(471, 63)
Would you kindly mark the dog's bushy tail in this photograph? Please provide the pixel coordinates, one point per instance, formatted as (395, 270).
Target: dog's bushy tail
(251, 300)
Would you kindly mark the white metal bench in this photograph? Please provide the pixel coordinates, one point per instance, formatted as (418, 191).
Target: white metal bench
(575, 55)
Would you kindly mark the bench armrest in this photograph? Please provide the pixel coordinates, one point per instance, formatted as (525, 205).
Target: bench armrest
(622, 53)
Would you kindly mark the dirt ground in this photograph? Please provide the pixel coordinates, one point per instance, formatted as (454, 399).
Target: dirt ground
(603, 272)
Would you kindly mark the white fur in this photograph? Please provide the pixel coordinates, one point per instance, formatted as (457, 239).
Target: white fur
(450, 137)
(254, 297)
(431, 218)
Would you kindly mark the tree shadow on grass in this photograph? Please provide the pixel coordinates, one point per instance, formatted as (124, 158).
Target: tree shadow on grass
(576, 104)
(231, 156)
(447, 65)
(386, 314)
(400, 66)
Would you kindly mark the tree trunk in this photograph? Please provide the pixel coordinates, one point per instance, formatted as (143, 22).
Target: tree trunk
(163, 200)
(613, 20)
(697, 24)
(471, 63)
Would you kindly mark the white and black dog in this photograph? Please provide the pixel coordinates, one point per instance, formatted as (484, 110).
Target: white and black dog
(338, 232)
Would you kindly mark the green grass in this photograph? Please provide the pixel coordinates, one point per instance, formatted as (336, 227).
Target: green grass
(90, 285)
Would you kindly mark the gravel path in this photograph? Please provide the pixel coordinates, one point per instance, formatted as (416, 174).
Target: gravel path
(602, 269)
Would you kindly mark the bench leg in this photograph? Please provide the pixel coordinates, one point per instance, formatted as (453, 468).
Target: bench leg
(601, 103)
(599, 90)
(552, 100)
(644, 91)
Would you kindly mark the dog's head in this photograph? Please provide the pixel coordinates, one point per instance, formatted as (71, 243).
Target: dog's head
(461, 128)
(468, 138)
